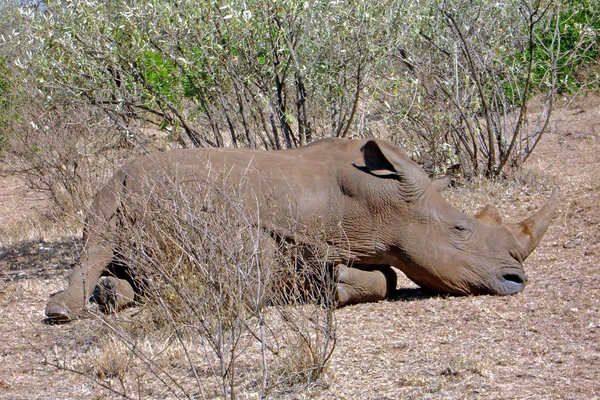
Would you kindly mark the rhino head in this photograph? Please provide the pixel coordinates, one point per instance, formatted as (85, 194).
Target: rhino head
(440, 248)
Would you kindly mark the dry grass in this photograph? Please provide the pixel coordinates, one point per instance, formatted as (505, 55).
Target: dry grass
(541, 344)
(24, 214)
(110, 360)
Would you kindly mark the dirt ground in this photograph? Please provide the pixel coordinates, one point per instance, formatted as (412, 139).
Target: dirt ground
(541, 344)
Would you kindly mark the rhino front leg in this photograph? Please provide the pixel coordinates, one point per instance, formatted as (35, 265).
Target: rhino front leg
(69, 303)
(363, 285)
(113, 294)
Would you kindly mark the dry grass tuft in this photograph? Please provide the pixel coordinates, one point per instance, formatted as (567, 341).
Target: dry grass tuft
(110, 360)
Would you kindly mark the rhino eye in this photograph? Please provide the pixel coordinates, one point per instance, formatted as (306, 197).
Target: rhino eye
(463, 231)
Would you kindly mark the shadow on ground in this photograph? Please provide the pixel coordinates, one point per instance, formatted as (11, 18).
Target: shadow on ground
(413, 294)
(38, 259)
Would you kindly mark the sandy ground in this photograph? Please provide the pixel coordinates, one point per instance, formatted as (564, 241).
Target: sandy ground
(541, 344)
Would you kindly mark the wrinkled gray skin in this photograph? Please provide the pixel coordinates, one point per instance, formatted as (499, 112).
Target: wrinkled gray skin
(390, 213)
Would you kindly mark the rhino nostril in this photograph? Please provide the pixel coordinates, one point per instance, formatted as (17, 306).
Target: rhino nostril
(514, 278)
(512, 283)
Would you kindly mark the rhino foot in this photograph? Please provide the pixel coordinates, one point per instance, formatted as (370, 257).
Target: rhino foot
(357, 285)
(105, 295)
(342, 296)
(56, 314)
(63, 307)
(58, 310)
(111, 294)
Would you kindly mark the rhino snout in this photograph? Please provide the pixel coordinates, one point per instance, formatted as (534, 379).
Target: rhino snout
(512, 283)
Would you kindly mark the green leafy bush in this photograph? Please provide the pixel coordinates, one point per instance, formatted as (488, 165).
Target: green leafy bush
(5, 101)
(568, 41)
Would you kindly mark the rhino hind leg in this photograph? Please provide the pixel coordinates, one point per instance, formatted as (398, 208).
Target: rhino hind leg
(113, 294)
(363, 285)
(62, 308)
(70, 303)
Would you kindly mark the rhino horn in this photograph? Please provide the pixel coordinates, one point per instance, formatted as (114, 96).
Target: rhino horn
(529, 232)
(489, 215)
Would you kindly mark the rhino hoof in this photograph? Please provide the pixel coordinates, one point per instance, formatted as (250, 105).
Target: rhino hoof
(56, 314)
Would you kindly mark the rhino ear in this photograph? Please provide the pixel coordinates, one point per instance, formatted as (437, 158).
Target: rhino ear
(387, 160)
(376, 161)
(489, 215)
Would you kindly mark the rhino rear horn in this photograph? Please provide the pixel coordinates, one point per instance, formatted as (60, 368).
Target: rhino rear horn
(489, 215)
(529, 232)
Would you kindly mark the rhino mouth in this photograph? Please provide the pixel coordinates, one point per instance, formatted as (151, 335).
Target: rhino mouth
(512, 283)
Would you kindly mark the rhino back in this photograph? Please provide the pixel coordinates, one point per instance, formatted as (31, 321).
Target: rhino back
(302, 182)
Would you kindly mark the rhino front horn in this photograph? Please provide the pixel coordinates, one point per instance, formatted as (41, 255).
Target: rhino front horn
(529, 232)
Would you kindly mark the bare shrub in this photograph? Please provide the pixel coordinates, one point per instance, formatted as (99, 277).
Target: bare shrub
(66, 151)
(249, 311)
(468, 75)
(451, 79)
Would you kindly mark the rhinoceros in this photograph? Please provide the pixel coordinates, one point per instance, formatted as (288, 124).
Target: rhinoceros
(390, 212)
